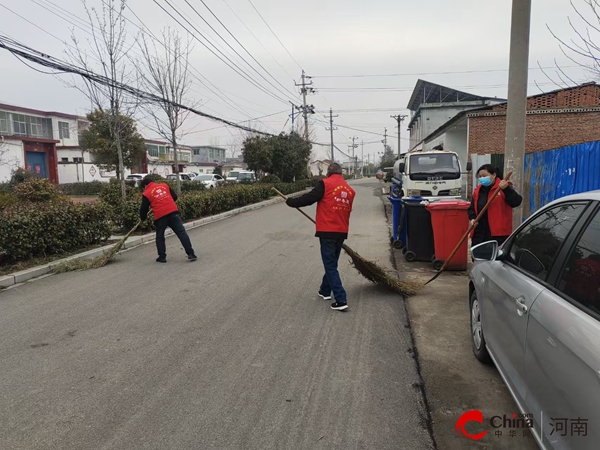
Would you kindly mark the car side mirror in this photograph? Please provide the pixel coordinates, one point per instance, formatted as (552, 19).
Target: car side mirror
(401, 167)
(487, 251)
(469, 166)
(530, 263)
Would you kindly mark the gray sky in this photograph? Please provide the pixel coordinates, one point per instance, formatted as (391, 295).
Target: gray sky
(330, 38)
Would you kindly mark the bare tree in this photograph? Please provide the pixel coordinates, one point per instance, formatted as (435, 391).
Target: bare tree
(584, 50)
(166, 74)
(7, 158)
(108, 47)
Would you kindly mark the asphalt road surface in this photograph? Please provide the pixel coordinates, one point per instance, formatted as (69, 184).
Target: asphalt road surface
(233, 351)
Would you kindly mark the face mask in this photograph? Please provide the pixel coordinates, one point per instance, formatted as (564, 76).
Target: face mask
(485, 181)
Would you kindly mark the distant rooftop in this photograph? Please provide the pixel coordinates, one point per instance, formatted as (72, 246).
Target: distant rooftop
(427, 92)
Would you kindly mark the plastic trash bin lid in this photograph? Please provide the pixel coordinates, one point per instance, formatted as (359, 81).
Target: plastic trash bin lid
(449, 204)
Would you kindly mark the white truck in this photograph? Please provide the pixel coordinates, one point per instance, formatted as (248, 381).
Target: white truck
(433, 174)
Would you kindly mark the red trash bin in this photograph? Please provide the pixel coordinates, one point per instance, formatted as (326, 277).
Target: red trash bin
(450, 221)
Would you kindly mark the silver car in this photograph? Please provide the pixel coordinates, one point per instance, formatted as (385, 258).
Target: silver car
(535, 312)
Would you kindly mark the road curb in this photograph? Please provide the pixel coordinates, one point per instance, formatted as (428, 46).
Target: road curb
(131, 243)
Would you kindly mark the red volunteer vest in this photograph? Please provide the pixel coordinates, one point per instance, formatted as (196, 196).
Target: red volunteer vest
(499, 213)
(160, 198)
(333, 210)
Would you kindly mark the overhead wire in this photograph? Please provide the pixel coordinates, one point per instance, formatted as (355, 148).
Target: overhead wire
(226, 60)
(426, 73)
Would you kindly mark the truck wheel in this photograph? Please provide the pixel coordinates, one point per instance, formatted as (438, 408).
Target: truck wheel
(410, 256)
(437, 264)
(398, 244)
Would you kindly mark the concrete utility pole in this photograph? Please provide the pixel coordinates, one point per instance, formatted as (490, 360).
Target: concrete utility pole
(399, 118)
(353, 146)
(331, 128)
(306, 109)
(362, 158)
(516, 115)
(384, 141)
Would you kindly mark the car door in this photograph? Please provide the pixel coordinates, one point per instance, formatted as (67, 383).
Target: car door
(512, 285)
(562, 362)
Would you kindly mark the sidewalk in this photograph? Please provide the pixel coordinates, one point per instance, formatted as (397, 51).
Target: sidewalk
(455, 381)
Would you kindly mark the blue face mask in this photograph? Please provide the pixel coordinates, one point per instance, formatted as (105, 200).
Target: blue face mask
(485, 181)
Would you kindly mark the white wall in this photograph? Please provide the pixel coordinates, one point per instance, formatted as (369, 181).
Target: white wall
(73, 131)
(11, 157)
(199, 169)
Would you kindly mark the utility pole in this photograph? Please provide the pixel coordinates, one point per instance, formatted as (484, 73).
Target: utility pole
(384, 141)
(331, 128)
(399, 118)
(306, 109)
(516, 115)
(362, 158)
(353, 146)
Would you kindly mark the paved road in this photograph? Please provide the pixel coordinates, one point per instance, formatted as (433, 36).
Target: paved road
(234, 351)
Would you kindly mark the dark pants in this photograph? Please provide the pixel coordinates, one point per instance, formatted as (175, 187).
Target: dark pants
(330, 254)
(174, 222)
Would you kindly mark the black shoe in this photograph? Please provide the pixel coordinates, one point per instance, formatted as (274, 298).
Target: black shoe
(339, 306)
(192, 257)
(324, 297)
(161, 259)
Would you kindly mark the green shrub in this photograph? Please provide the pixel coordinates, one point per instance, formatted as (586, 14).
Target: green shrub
(191, 186)
(39, 229)
(7, 200)
(36, 190)
(6, 188)
(273, 179)
(82, 188)
(20, 175)
(111, 193)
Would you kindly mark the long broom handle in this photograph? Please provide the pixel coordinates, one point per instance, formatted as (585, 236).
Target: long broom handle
(303, 213)
(471, 226)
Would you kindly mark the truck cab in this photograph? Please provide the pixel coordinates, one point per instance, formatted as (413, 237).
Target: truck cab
(434, 175)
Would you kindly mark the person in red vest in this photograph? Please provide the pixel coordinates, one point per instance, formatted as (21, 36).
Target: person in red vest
(496, 223)
(161, 198)
(334, 198)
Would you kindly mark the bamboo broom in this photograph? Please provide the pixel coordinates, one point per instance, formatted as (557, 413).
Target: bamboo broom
(371, 271)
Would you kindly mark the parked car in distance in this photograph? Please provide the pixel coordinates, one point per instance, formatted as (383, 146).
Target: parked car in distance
(192, 175)
(232, 176)
(211, 181)
(246, 176)
(182, 177)
(137, 177)
(535, 312)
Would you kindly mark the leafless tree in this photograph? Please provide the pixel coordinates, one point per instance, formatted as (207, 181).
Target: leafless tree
(165, 72)
(108, 48)
(583, 50)
(7, 158)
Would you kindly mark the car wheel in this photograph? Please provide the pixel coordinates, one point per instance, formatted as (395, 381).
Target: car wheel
(477, 337)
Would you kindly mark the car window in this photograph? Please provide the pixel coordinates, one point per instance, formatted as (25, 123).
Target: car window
(580, 279)
(535, 247)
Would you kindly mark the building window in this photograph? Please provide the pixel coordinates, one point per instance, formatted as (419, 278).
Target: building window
(4, 123)
(19, 125)
(200, 170)
(63, 130)
(152, 150)
(196, 152)
(65, 160)
(78, 160)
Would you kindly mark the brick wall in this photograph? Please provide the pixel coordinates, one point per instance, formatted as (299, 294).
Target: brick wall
(544, 131)
(568, 98)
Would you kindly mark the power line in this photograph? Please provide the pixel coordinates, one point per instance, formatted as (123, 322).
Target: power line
(257, 40)
(240, 44)
(276, 37)
(429, 73)
(232, 65)
(235, 51)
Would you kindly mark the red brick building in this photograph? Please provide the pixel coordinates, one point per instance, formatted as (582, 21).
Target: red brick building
(555, 119)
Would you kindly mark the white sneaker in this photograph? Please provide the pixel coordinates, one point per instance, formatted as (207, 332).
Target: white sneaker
(325, 297)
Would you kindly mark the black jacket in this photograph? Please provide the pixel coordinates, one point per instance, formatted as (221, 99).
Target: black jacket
(311, 198)
(145, 208)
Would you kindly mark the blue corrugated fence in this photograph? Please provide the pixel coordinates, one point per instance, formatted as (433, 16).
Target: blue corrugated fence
(555, 173)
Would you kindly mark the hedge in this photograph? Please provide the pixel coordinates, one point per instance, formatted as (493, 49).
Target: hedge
(29, 230)
(82, 188)
(40, 229)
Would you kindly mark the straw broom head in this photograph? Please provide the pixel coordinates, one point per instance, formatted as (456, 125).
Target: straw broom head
(379, 275)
